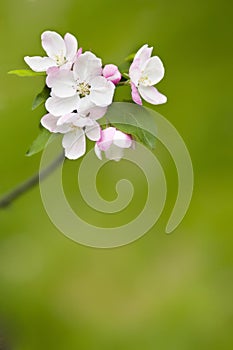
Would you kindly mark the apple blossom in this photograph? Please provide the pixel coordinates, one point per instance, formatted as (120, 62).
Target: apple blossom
(75, 130)
(112, 142)
(146, 71)
(61, 52)
(111, 73)
(83, 84)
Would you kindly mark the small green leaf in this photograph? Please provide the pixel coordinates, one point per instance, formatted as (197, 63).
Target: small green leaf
(40, 142)
(134, 120)
(41, 97)
(130, 57)
(26, 73)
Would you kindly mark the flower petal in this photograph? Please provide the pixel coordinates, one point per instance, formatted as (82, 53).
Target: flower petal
(87, 67)
(152, 95)
(106, 138)
(112, 73)
(98, 152)
(62, 83)
(143, 54)
(135, 95)
(135, 71)
(74, 143)
(53, 44)
(122, 140)
(102, 91)
(50, 122)
(154, 70)
(71, 46)
(67, 119)
(93, 131)
(39, 64)
(60, 106)
(114, 153)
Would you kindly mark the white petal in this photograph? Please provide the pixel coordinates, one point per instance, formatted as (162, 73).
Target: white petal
(87, 67)
(154, 70)
(143, 54)
(114, 153)
(50, 122)
(81, 122)
(98, 152)
(93, 131)
(74, 143)
(39, 64)
(122, 140)
(62, 83)
(102, 91)
(152, 95)
(53, 44)
(66, 119)
(71, 46)
(60, 106)
(135, 71)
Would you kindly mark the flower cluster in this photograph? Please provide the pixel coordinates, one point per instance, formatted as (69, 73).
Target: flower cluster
(81, 90)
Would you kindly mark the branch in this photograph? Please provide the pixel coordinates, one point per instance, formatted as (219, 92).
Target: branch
(18, 191)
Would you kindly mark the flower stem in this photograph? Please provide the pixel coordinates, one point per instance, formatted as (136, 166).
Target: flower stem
(22, 188)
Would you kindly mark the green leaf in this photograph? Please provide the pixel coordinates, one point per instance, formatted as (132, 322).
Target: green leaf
(41, 97)
(134, 120)
(40, 142)
(26, 73)
(130, 57)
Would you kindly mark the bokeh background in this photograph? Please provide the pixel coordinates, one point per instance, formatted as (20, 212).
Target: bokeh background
(163, 292)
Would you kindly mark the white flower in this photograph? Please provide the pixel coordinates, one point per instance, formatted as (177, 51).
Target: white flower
(83, 84)
(112, 142)
(75, 126)
(146, 71)
(61, 52)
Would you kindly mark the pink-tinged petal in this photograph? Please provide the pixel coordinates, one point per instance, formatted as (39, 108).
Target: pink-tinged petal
(39, 64)
(135, 95)
(154, 70)
(53, 44)
(60, 106)
(135, 71)
(50, 122)
(71, 46)
(79, 52)
(93, 131)
(62, 83)
(143, 54)
(122, 140)
(102, 91)
(74, 143)
(152, 95)
(52, 70)
(114, 153)
(106, 138)
(112, 73)
(98, 152)
(87, 66)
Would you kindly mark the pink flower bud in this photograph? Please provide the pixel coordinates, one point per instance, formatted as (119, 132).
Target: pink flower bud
(111, 73)
(112, 142)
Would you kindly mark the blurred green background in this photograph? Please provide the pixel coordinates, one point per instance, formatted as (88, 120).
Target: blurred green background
(163, 292)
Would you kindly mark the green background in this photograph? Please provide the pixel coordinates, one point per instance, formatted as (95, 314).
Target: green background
(163, 292)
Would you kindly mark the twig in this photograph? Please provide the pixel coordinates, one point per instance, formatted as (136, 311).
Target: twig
(19, 190)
